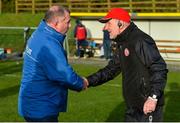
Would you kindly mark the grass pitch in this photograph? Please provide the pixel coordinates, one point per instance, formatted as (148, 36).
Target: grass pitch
(97, 104)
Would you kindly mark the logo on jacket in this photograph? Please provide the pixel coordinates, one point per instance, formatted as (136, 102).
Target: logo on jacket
(126, 52)
(28, 50)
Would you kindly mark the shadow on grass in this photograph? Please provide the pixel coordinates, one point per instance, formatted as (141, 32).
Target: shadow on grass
(10, 69)
(172, 106)
(117, 114)
(9, 91)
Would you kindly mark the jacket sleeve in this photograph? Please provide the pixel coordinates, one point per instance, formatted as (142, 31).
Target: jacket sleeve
(57, 69)
(105, 74)
(148, 53)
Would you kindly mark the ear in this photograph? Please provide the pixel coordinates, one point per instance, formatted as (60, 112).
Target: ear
(56, 22)
(119, 24)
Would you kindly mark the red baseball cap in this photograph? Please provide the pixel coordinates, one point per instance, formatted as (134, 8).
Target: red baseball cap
(116, 13)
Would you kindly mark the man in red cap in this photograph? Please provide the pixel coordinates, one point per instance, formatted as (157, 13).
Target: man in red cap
(144, 72)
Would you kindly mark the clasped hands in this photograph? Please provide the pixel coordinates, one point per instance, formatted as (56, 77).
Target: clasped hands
(85, 83)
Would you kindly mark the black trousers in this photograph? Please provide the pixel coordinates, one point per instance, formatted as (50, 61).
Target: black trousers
(53, 118)
(136, 115)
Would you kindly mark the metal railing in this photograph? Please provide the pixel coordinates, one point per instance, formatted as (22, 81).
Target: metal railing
(25, 34)
(170, 49)
(98, 6)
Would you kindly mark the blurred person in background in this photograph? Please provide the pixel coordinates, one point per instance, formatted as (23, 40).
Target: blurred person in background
(80, 35)
(144, 72)
(47, 76)
(106, 44)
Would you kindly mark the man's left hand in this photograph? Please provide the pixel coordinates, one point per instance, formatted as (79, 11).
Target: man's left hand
(85, 83)
(149, 105)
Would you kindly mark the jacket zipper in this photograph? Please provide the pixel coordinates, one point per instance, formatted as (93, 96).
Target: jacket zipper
(121, 54)
(144, 86)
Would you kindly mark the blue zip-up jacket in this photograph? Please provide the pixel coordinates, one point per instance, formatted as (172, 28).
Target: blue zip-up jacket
(47, 76)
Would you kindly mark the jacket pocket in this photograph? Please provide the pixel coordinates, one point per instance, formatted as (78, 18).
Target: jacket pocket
(143, 88)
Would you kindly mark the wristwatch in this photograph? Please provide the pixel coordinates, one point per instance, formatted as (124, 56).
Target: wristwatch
(153, 97)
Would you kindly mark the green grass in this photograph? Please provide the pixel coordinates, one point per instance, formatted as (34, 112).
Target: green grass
(102, 103)
(14, 39)
(20, 20)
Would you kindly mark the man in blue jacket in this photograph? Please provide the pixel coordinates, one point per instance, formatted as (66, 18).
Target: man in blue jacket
(47, 76)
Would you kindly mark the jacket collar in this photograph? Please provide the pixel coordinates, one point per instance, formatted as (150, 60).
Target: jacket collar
(125, 34)
(50, 31)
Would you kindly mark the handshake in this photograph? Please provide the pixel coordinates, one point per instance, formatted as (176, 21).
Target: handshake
(85, 83)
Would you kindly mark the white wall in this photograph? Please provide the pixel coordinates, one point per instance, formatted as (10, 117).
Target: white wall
(143, 25)
(159, 30)
(95, 28)
(166, 30)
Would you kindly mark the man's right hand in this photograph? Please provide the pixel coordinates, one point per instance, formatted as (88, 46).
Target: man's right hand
(86, 83)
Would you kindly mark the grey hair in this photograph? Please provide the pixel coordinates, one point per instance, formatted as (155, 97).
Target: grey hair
(55, 11)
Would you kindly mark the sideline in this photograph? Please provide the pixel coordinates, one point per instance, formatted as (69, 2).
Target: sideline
(171, 65)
